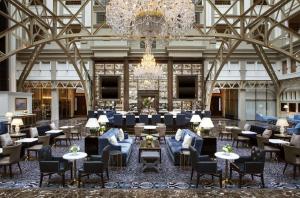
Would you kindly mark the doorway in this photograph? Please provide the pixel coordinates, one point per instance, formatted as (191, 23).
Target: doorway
(216, 105)
(80, 105)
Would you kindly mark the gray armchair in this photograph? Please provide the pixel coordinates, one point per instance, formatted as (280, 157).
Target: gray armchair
(96, 165)
(50, 165)
(204, 165)
(253, 165)
(291, 156)
(11, 155)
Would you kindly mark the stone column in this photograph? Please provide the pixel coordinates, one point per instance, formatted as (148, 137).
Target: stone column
(12, 59)
(242, 105)
(54, 94)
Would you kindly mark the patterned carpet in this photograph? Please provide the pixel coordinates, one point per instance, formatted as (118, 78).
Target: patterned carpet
(169, 176)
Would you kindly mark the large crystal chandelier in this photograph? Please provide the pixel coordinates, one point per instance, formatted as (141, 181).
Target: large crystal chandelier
(160, 19)
(148, 69)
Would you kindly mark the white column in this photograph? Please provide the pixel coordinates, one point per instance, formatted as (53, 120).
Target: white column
(242, 105)
(54, 94)
(11, 41)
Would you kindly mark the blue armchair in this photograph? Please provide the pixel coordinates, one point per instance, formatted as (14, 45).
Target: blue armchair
(3, 127)
(295, 130)
(268, 119)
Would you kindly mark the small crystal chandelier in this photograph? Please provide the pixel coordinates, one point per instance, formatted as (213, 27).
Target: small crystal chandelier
(148, 69)
(160, 19)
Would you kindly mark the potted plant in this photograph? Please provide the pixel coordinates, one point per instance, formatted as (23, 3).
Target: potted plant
(227, 149)
(149, 139)
(74, 149)
(102, 129)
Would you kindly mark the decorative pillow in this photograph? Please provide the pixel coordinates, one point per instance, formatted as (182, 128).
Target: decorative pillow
(187, 141)
(121, 135)
(5, 139)
(33, 132)
(52, 126)
(295, 140)
(113, 140)
(247, 127)
(178, 135)
(267, 133)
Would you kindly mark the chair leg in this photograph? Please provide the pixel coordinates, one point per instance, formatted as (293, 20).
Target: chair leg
(230, 173)
(262, 180)
(198, 177)
(63, 179)
(220, 180)
(19, 167)
(79, 179)
(10, 171)
(192, 173)
(294, 172)
(240, 180)
(41, 179)
(102, 180)
(107, 174)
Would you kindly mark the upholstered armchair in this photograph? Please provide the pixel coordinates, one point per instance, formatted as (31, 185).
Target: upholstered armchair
(139, 131)
(262, 143)
(203, 165)
(42, 141)
(50, 165)
(161, 132)
(295, 130)
(11, 155)
(96, 165)
(236, 137)
(104, 158)
(253, 165)
(291, 156)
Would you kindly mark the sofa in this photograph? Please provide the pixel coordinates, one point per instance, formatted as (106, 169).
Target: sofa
(124, 146)
(268, 119)
(174, 147)
(294, 130)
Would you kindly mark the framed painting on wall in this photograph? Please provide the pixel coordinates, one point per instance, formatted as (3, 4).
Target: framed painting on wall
(21, 104)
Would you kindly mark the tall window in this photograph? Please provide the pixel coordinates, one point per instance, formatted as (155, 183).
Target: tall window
(100, 17)
(293, 66)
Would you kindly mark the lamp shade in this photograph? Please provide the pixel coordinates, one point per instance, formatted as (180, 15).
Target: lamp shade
(282, 122)
(92, 123)
(285, 106)
(206, 123)
(9, 114)
(17, 122)
(103, 119)
(195, 118)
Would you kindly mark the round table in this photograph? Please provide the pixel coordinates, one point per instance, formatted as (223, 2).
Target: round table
(73, 157)
(249, 133)
(227, 157)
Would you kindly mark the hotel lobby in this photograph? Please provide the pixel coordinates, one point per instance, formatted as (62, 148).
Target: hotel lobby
(149, 98)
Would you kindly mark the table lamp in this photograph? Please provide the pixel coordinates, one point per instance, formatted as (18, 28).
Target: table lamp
(17, 122)
(207, 125)
(282, 122)
(195, 119)
(103, 119)
(9, 116)
(93, 125)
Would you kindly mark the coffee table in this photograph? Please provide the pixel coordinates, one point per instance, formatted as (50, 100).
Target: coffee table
(154, 146)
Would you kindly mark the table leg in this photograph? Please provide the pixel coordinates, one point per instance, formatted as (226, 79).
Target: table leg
(74, 168)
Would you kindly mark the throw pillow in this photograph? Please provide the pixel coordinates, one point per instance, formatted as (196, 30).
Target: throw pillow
(178, 135)
(247, 127)
(5, 140)
(121, 136)
(295, 140)
(187, 141)
(52, 126)
(267, 133)
(33, 132)
(113, 140)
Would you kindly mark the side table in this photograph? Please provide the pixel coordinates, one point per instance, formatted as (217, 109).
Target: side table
(184, 159)
(73, 157)
(116, 158)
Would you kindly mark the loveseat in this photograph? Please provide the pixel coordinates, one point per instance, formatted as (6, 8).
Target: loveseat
(124, 146)
(174, 147)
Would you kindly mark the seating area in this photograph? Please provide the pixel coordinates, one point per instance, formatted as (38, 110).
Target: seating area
(149, 98)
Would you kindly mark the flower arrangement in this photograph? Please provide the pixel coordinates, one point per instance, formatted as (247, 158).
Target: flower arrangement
(149, 139)
(199, 130)
(147, 102)
(74, 149)
(102, 129)
(227, 148)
